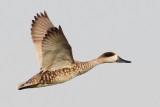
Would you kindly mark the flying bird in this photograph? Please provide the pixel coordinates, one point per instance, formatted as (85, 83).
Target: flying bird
(55, 56)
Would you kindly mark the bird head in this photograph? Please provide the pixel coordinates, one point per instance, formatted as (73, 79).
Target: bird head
(110, 57)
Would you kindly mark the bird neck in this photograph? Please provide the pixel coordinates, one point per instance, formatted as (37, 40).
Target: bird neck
(83, 67)
(96, 62)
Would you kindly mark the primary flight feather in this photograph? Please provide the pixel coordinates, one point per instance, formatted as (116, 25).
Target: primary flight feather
(55, 55)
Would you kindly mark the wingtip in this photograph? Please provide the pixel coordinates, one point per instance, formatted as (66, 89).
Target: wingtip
(38, 15)
(45, 13)
(60, 28)
(42, 14)
(35, 18)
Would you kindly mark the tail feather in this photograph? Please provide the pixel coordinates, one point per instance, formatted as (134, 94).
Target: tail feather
(24, 86)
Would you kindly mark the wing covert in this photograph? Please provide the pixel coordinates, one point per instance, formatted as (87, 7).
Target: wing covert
(56, 51)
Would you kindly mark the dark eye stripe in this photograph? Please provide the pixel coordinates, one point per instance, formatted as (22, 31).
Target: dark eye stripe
(108, 54)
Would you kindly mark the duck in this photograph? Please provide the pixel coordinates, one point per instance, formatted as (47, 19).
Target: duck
(55, 58)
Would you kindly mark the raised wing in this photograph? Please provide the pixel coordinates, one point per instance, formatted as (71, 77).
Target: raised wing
(40, 26)
(56, 51)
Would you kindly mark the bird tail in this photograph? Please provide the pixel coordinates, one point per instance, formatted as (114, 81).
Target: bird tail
(24, 85)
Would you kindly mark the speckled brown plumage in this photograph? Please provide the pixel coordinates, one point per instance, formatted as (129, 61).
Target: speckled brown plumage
(55, 55)
(58, 76)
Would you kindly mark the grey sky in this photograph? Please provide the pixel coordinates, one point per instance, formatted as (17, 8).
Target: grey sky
(131, 28)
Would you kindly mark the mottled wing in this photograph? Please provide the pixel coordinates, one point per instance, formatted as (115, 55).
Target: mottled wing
(40, 26)
(56, 51)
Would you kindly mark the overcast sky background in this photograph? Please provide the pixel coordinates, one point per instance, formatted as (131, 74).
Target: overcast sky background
(131, 28)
